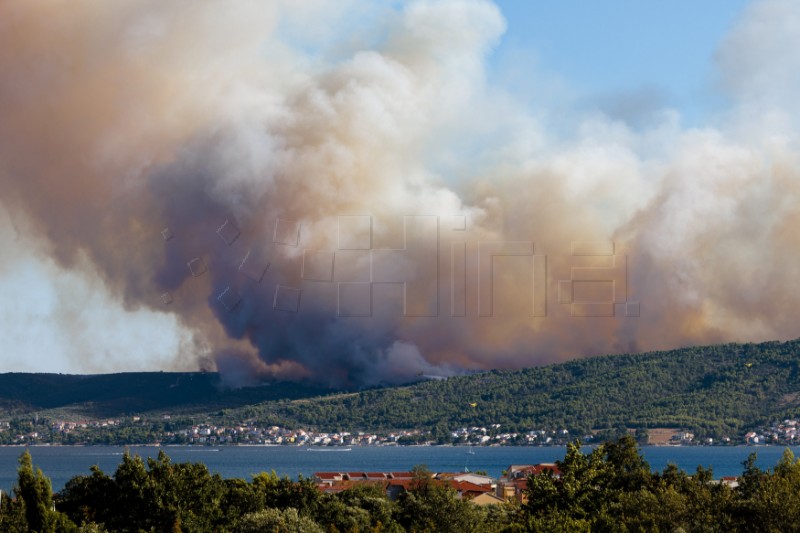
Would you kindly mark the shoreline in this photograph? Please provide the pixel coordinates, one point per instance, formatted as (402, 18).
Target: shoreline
(313, 446)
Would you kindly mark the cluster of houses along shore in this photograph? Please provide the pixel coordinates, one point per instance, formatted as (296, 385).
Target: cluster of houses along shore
(786, 432)
(478, 489)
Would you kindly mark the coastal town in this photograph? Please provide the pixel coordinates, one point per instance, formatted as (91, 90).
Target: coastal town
(139, 430)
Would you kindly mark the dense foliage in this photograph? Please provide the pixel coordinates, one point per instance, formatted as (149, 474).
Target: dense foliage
(713, 391)
(608, 489)
(110, 395)
(613, 489)
(160, 496)
(716, 391)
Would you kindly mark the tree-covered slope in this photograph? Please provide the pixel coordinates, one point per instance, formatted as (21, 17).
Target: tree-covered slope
(715, 390)
(134, 392)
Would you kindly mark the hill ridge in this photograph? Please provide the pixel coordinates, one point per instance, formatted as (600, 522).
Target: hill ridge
(714, 390)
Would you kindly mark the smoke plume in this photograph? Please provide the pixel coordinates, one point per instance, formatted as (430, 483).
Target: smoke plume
(203, 184)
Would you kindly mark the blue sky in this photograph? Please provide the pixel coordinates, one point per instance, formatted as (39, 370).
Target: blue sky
(601, 51)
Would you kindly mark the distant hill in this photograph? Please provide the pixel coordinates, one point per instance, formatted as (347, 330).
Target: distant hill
(712, 390)
(106, 395)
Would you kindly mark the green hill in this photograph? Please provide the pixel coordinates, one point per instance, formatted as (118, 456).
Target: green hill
(713, 390)
(108, 395)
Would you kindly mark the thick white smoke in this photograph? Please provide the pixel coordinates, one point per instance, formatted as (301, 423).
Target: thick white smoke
(156, 156)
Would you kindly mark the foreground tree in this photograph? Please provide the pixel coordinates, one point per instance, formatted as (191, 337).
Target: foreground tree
(772, 500)
(88, 499)
(277, 521)
(613, 489)
(609, 489)
(33, 509)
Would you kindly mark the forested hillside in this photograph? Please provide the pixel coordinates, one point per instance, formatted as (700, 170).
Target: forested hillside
(109, 395)
(714, 390)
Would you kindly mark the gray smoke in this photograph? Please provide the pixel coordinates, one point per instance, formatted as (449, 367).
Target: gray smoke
(200, 185)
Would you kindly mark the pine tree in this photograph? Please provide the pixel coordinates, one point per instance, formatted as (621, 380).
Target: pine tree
(34, 492)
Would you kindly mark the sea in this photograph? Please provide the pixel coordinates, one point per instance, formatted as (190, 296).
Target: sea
(62, 463)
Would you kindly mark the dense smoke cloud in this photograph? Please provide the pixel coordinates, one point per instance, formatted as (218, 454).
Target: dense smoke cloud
(202, 166)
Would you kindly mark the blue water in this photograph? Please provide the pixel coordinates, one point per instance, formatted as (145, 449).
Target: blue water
(61, 463)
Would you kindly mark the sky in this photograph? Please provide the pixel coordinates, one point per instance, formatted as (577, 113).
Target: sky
(363, 192)
(598, 51)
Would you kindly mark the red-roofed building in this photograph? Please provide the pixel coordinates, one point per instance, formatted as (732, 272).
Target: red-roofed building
(468, 490)
(523, 471)
(335, 488)
(515, 482)
(487, 499)
(545, 467)
(395, 487)
(395, 483)
(327, 478)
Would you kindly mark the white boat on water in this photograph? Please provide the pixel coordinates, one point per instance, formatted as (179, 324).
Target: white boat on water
(330, 449)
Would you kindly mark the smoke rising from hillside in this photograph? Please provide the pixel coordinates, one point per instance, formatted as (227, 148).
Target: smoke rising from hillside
(242, 185)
